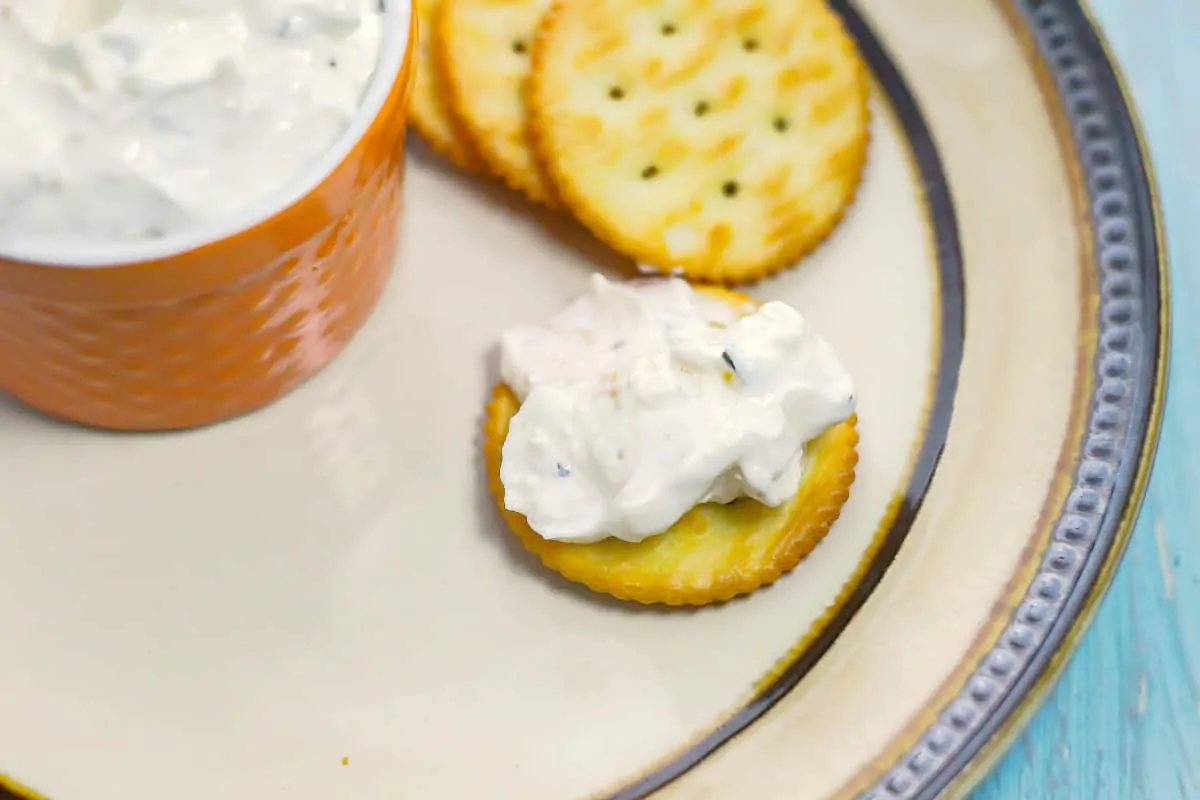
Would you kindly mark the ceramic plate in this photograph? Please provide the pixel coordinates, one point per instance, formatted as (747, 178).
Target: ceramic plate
(319, 600)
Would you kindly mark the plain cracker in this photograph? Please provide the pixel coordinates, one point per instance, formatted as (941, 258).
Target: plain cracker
(723, 140)
(485, 47)
(428, 111)
(714, 552)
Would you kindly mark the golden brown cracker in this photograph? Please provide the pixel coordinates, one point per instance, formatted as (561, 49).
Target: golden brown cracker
(485, 47)
(429, 112)
(715, 551)
(722, 140)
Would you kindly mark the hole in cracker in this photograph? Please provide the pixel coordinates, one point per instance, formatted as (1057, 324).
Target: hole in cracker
(616, 93)
(780, 124)
(700, 109)
(750, 44)
(519, 47)
(730, 188)
(649, 172)
(668, 29)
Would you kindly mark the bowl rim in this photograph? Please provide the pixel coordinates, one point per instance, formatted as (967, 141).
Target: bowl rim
(89, 253)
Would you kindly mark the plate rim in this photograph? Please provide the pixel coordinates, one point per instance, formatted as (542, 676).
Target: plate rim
(980, 713)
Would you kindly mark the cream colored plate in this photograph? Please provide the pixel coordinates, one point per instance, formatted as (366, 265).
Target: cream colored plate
(319, 601)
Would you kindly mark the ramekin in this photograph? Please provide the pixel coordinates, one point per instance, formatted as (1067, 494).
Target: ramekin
(222, 319)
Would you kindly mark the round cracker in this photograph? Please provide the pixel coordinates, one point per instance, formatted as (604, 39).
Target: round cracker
(720, 140)
(484, 47)
(714, 552)
(428, 111)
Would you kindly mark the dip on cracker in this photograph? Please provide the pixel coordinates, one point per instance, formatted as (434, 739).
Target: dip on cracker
(665, 444)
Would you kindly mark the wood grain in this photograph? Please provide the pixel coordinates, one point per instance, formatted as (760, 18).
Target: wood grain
(1124, 722)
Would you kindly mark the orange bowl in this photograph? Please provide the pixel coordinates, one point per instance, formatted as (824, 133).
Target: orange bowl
(218, 321)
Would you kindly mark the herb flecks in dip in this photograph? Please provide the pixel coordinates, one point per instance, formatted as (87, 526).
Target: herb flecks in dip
(173, 112)
(640, 401)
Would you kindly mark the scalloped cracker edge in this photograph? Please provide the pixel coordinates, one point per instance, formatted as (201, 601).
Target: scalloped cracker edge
(724, 141)
(484, 49)
(428, 111)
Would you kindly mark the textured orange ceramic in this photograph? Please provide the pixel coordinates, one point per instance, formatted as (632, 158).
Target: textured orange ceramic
(221, 330)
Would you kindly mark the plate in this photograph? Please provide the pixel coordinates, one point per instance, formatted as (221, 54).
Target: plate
(319, 600)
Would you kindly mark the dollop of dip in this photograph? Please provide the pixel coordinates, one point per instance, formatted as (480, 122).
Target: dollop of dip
(644, 399)
(172, 111)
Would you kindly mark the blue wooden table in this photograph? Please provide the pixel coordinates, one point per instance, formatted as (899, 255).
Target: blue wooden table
(1124, 721)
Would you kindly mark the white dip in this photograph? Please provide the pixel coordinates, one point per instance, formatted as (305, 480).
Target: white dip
(173, 112)
(642, 400)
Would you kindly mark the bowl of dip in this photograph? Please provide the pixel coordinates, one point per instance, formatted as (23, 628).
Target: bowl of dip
(199, 202)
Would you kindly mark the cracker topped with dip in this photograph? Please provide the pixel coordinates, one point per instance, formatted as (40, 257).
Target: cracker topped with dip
(664, 444)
